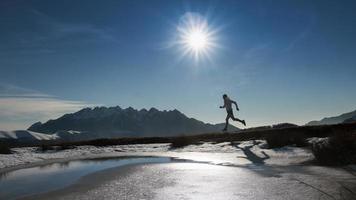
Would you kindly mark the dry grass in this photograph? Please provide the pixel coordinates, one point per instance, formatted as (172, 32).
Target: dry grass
(57, 147)
(4, 148)
(182, 142)
(279, 140)
(340, 149)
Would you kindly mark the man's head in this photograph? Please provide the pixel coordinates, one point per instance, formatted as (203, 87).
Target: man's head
(224, 96)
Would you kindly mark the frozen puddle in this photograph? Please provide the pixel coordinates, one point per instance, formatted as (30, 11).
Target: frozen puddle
(34, 180)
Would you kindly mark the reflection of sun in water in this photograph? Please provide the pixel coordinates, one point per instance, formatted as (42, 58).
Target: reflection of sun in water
(196, 37)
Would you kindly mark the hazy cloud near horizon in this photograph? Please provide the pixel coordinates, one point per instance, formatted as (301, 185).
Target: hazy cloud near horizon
(21, 107)
(8, 90)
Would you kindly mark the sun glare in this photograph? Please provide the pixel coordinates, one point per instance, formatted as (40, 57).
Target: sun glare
(196, 38)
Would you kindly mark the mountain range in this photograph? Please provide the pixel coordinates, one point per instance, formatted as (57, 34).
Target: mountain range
(117, 122)
(114, 122)
(343, 118)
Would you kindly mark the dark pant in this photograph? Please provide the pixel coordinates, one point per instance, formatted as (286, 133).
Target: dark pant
(230, 114)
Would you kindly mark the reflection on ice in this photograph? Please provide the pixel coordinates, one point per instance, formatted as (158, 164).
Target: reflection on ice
(34, 180)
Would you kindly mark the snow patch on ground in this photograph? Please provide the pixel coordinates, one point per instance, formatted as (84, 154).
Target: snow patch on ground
(315, 140)
(239, 153)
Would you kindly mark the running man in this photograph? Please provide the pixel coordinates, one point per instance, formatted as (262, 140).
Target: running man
(228, 105)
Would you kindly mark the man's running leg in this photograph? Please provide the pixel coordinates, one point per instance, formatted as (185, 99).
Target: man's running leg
(239, 120)
(226, 122)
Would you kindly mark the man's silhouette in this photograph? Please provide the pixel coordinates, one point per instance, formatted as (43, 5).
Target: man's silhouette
(228, 105)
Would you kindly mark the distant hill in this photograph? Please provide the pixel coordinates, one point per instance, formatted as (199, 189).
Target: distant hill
(350, 120)
(284, 125)
(30, 137)
(111, 122)
(334, 120)
(25, 136)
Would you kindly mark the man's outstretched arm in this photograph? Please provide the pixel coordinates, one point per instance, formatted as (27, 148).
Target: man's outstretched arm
(234, 102)
(223, 106)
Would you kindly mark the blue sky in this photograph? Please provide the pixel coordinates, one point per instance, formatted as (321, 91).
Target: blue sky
(283, 61)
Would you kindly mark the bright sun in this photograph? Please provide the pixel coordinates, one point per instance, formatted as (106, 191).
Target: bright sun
(197, 40)
(195, 36)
